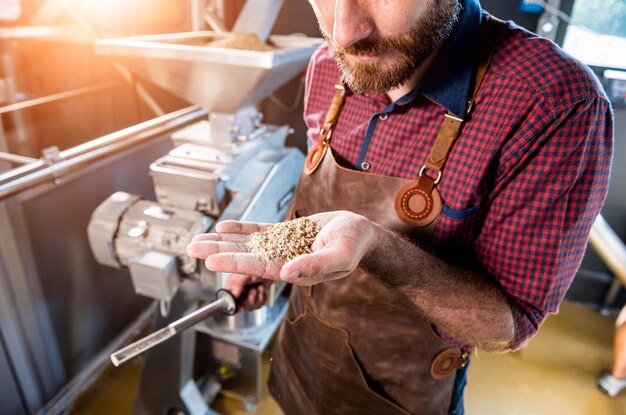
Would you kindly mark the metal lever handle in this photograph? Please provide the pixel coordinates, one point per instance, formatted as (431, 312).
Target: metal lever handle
(225, 303)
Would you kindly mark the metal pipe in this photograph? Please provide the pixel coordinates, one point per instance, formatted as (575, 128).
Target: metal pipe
(101, 150)
(197, 15)
(224, 303)
(56, 97)
(214, 22)
(182, 116)
(20, 171)
(176, 118)
(610, 247)
(35, 32)
(17, 159)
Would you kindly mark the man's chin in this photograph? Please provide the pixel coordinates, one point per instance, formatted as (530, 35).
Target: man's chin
(367, 77)
(373, 81)
(364, 85)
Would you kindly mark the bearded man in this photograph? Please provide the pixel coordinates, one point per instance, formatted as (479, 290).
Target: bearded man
(456, 165)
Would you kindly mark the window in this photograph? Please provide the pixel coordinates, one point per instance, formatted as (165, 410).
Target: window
(597, 33)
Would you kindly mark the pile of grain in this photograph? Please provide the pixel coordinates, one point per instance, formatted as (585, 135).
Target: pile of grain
(285, 240)
(245, 41)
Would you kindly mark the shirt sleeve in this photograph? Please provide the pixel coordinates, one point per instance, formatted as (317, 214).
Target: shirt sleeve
(548, 191)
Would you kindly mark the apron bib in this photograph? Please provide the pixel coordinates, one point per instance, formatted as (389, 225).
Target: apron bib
(355, 345)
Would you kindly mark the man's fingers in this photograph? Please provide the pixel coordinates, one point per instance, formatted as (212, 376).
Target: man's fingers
(234, 226)
(220, 237)
(236, 282)
(325, 262)
(243, 263)
(203, 249)
(255, 295)
(323, 217)
(254, 287)
(256, 298)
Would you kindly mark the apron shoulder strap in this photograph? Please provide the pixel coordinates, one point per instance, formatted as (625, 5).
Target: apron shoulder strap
(316, 153)
(490, 35)
(418, 203)
(451, 126)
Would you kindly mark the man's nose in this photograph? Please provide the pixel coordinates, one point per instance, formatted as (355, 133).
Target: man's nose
(351, 23)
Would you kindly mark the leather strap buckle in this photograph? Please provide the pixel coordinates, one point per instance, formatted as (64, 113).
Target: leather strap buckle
(453, 117)
(439, 174)
(316, 154)
(327, 135)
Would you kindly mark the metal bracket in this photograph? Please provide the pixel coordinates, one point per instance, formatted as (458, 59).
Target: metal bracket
(52, 157)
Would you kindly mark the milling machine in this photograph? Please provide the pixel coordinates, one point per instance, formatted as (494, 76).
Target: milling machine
(230, 166)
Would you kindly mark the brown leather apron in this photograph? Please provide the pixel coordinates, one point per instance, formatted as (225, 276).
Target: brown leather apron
(355, 345)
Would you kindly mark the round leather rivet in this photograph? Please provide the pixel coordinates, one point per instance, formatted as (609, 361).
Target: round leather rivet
(417, 206)
(445, 363)
(417, 203)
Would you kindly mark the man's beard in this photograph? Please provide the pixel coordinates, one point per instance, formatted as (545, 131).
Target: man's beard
(413, 47)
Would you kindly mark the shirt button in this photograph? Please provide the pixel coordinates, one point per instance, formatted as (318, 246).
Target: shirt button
(383, 117)
(365, 166)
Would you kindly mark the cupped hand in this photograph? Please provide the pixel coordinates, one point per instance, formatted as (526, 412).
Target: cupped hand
(343, 240)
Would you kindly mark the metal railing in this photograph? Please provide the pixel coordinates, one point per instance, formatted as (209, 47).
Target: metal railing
(610, 247)
(58, 96)
(16, 159)
(71, 160)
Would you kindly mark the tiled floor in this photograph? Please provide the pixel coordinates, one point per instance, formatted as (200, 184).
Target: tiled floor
(554, 375)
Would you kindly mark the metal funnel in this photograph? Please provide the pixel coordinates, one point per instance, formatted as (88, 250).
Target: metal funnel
(220, 80)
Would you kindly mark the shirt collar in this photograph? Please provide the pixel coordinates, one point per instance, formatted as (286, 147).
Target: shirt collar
(448, 81)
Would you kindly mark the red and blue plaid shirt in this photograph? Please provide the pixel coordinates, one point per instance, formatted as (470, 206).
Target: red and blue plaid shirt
(528, 174)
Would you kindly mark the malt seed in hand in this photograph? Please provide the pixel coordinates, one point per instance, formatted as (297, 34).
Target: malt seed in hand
(285, 240)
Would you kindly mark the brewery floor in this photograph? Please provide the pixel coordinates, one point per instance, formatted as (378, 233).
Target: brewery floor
(555, 374)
